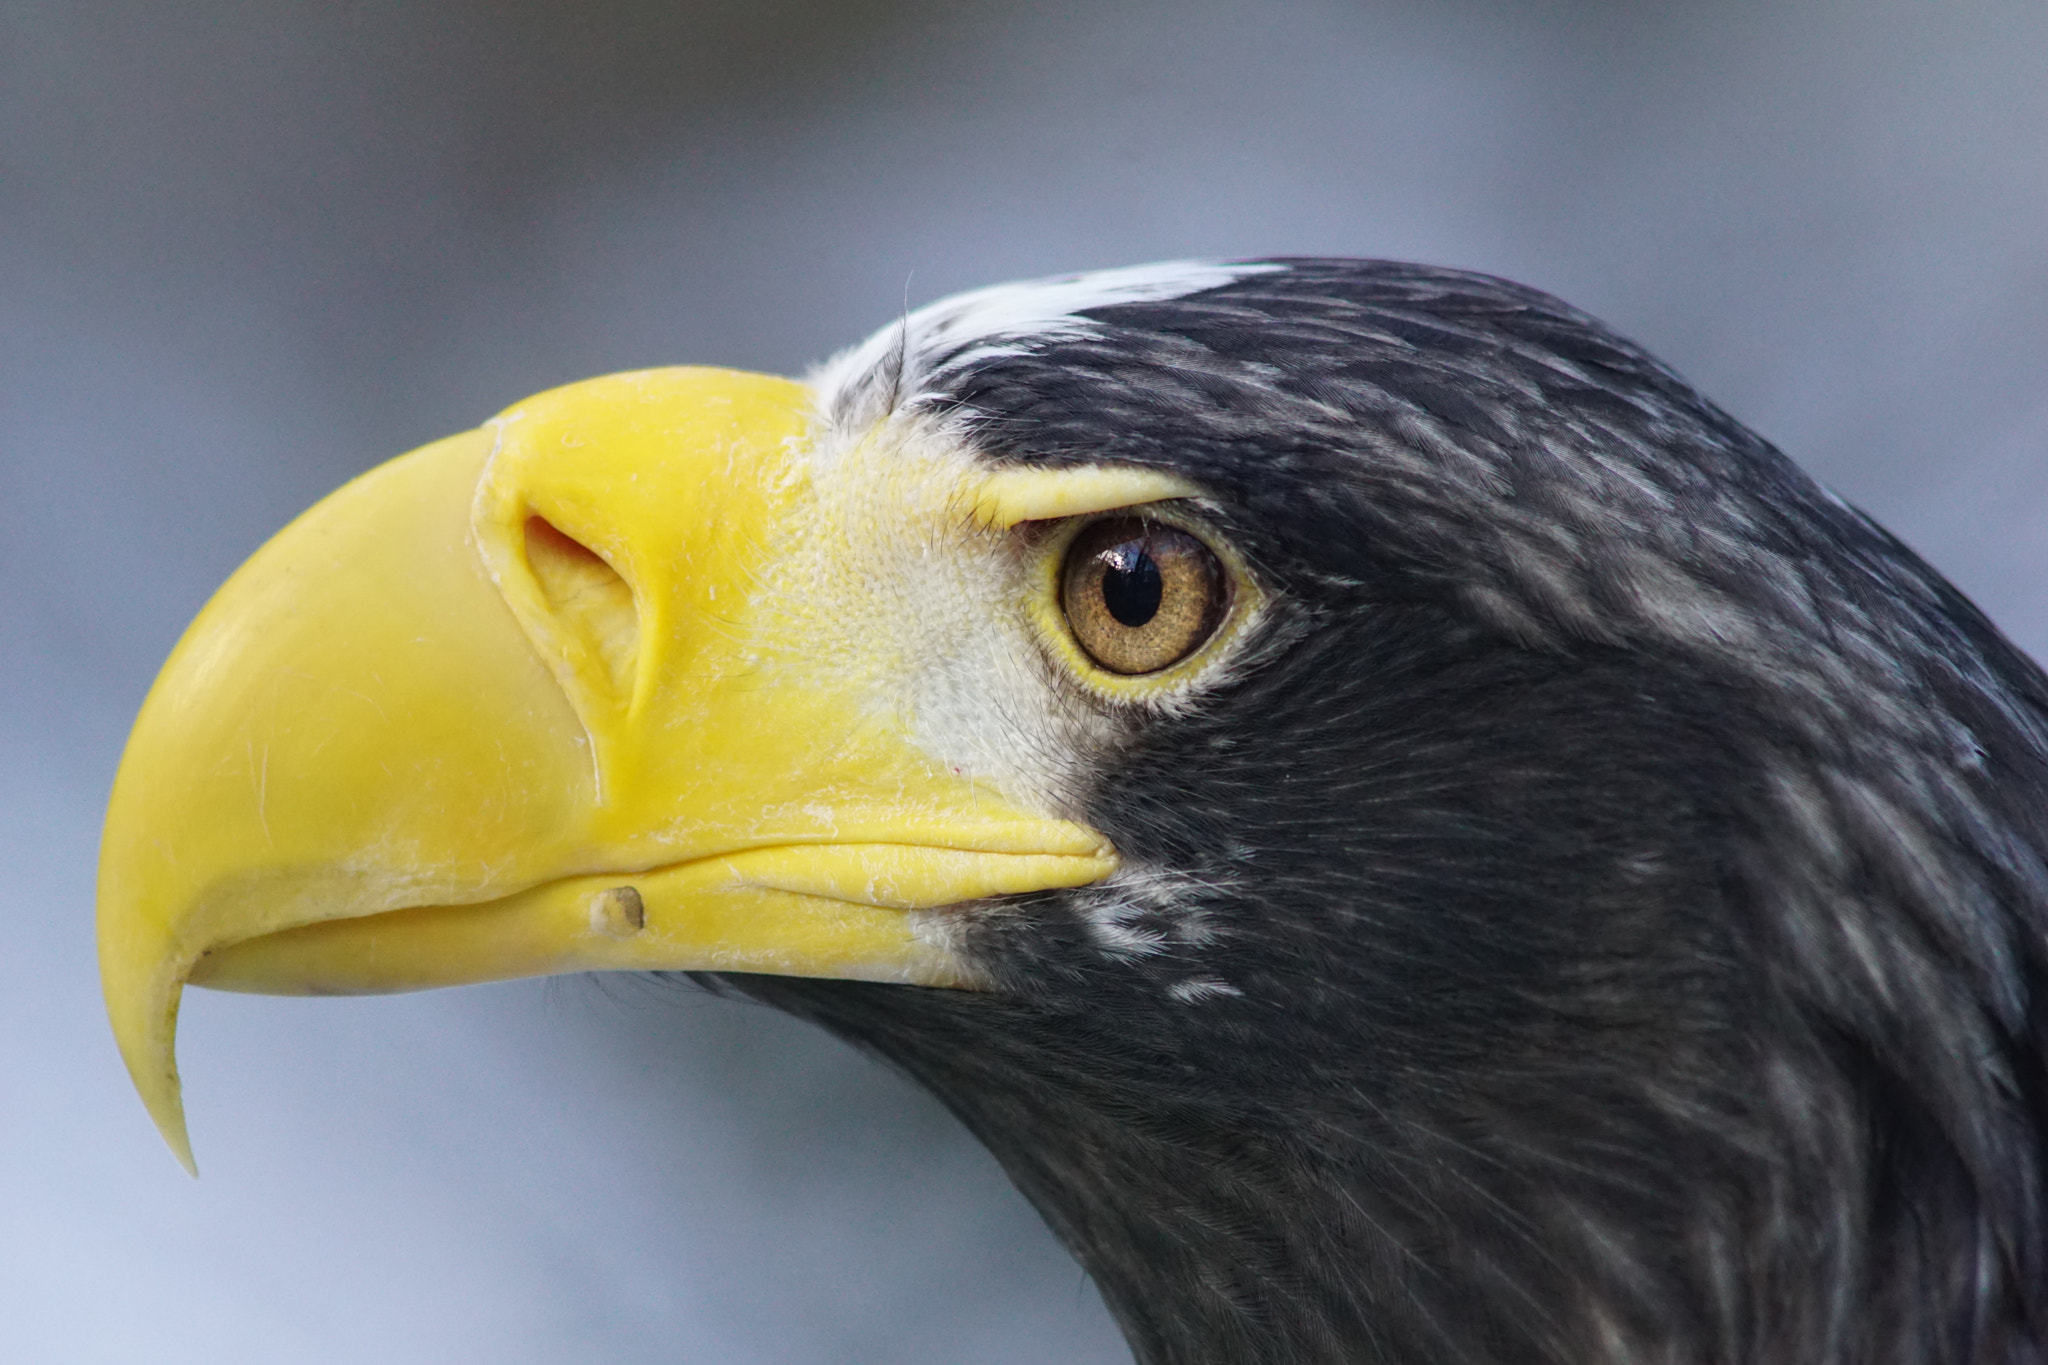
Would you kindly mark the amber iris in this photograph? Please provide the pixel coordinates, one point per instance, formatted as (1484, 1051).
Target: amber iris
(1140, 595)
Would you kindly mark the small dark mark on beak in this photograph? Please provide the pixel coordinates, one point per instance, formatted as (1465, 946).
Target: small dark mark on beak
(618, 912)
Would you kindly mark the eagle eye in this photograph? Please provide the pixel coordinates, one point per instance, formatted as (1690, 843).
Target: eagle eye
(1140, 595)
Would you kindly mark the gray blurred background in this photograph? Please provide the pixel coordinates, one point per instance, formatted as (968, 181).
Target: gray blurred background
(248, 249)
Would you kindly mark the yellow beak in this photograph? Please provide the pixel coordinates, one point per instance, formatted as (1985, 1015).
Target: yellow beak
(518, 703)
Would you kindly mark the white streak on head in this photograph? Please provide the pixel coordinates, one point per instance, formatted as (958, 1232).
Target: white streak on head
(1196, 989)
(1143, 911)
(902, 363)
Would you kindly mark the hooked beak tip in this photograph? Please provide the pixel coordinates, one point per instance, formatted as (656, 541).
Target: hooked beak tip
(146, 1033)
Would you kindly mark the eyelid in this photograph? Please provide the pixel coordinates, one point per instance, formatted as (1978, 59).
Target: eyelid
(1010, 497)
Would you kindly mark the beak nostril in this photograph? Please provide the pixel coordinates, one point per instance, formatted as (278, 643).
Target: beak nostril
(545, 539)
(588, 597)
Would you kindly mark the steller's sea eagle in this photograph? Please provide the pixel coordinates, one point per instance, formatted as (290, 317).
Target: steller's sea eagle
(1411, 835)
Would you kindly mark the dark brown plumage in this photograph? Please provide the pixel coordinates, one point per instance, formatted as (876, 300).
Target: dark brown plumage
(1602, 917)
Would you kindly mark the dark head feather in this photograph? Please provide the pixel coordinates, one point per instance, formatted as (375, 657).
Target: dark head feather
(1601, 917)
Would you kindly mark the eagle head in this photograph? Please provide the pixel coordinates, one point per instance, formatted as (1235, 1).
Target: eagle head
(1411, 834)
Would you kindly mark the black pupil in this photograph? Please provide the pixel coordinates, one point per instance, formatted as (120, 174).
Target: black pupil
(1130, 583)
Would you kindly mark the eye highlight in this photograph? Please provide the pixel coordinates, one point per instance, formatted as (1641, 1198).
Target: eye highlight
(1140, 595)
